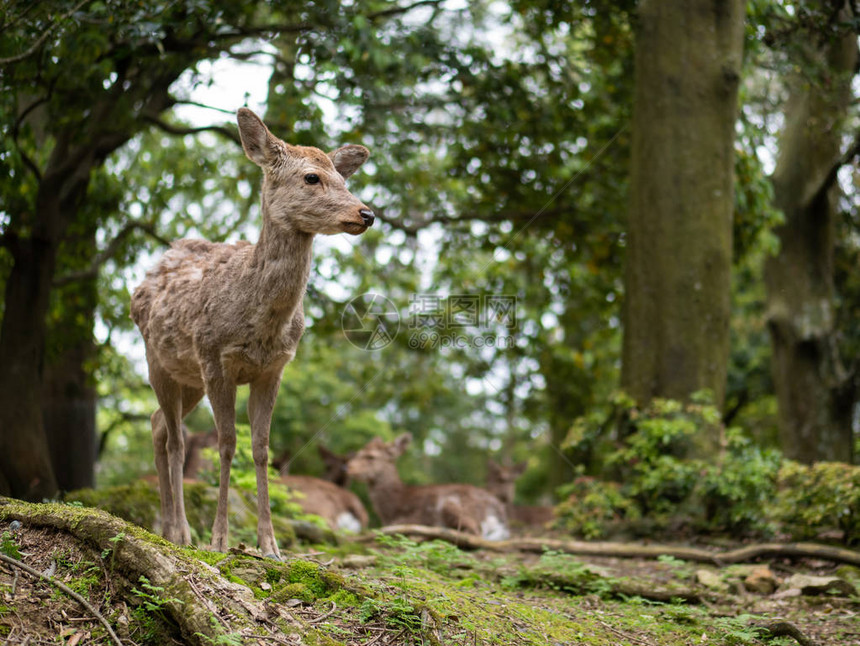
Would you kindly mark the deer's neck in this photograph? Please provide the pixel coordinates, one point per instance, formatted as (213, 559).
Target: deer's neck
(282, 265)
(386, 491)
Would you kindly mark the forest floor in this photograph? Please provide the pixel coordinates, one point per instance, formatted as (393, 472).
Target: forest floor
(379, 590)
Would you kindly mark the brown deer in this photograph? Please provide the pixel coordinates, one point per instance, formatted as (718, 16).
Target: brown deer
(457, 506)
(217, 315)
(501, 482)
(340, 508)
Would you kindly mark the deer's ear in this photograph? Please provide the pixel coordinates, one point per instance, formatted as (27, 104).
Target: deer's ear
(401, 442)
(520, 468)
(260, 145)
(348, 159)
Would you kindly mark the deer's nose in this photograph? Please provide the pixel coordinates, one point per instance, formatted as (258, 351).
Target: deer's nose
(367, 216)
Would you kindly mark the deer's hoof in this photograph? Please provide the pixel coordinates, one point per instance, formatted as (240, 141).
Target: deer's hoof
(272, 556)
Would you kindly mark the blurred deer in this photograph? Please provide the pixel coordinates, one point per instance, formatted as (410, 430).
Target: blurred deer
(458, 506)
(501, 482)
(214, 316)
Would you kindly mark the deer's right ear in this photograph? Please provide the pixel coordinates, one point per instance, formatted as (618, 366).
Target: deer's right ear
(259, 144)
(401, 442)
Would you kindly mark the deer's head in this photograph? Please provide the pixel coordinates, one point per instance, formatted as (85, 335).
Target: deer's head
(501, 479)
(303, 187)
(377, 458)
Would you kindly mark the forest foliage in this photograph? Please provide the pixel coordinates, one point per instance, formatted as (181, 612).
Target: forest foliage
(501, 143)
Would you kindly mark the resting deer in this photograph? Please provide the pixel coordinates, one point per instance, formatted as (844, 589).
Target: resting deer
(501, 482)
(458, 506)
(217, 315)
(339, 507)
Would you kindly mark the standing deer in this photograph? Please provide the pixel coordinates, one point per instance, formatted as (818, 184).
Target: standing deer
(458, 506)
(214, 316)
(501, 482)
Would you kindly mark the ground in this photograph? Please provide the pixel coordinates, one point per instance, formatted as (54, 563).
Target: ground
(379, 590)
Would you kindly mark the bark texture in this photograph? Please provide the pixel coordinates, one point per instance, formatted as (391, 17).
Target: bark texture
(816, 395)
(676, 317)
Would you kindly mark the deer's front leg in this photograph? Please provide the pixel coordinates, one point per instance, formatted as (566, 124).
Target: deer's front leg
(261, 402)
(222, 396)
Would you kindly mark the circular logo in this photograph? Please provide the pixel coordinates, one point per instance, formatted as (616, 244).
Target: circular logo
(370, 321)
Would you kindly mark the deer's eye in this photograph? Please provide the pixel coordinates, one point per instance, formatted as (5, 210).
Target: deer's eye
(312, 178)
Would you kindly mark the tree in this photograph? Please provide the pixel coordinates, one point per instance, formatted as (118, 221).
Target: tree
(817, 393)
(79, 80)
(679, 245)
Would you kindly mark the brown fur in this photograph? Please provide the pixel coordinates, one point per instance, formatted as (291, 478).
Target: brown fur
(501, 482)
(457, 506)
(216, 315)
(327, 500)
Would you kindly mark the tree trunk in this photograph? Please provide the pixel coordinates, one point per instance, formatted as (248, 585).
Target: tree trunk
(24, 461)
(679, 246)
(816, 395)
(69, 415)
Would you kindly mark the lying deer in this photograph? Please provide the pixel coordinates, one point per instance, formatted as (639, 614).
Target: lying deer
(340, 508)
(501, 482)
(457, 506)
(214, 316)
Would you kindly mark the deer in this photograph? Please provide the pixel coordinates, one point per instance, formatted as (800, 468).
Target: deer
(217, 315)
(341, 509)
(501, 482)
(461, 507)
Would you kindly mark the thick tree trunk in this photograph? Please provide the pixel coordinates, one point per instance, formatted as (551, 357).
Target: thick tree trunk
(816, 395)
(677, 280)
(69, 415)
(24, 461)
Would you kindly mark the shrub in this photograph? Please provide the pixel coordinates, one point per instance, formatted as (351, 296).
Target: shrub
(659, 456)
(821, 497)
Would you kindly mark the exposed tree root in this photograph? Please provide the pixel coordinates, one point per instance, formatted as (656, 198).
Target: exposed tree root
(787, 629)
(628, 550)
(135, 553)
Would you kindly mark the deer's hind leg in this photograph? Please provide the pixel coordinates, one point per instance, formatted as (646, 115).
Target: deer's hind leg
(175, 402)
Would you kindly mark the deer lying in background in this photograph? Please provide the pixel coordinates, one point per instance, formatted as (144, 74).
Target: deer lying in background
(501, 482)
(340, 508)
(217, 315)
(457, 506)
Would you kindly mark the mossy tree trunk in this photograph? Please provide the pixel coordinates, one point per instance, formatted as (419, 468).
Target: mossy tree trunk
(677, 277)
(816, 395)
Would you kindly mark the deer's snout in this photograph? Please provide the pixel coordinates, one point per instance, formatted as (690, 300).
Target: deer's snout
(367, 216)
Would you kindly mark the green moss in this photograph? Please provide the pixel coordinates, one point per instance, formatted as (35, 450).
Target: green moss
(136, 503)
(293, 591)
(344, 599)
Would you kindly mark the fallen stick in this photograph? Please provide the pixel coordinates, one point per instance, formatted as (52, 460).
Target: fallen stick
(626, 550)
(62, 586)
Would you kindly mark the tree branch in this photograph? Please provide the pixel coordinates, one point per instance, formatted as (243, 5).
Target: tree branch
(184, 130)
(846, 158)
(41, 39)
(394, 11)
(505, 216)
(108, 252)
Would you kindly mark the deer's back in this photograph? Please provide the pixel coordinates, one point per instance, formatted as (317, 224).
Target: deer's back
(458, 506)
(332, 503)
(183, 298)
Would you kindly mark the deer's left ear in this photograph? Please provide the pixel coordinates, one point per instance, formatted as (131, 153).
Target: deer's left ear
(400, 443)
(347, 159)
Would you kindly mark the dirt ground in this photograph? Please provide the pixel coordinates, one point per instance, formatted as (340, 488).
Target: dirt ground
(396, 591)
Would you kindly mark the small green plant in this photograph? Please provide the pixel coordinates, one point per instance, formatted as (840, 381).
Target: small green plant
(151, 598)
(9, 546)
(220, 639)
